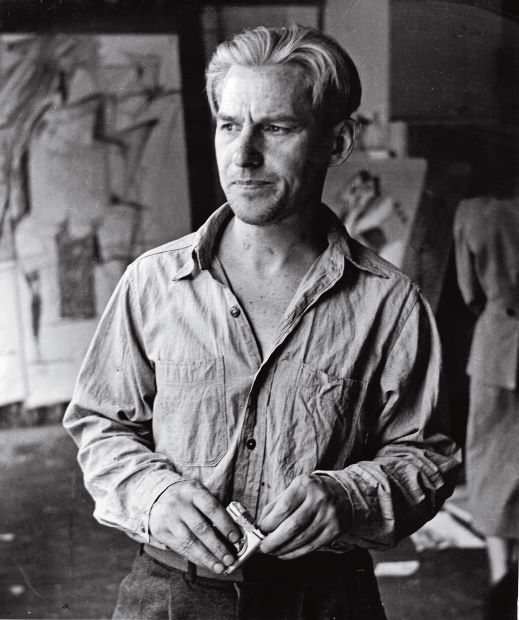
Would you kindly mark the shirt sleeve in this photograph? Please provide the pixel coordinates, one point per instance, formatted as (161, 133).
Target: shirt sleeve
(412, 466)
(110, 419)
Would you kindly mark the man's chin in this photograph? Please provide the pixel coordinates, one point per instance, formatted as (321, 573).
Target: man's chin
(253, 220)
(256, 213)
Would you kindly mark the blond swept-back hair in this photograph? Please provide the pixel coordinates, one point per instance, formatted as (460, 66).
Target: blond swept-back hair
(330, 72)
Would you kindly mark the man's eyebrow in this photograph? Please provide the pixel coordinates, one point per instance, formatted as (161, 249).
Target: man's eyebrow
(224, 117)
(269, 118)
(281, 118)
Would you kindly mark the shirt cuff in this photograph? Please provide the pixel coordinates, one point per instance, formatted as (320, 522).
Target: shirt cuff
(149, 492)
(343, 542)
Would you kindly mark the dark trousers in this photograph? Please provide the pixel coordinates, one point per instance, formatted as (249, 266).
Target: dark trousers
(343, 588)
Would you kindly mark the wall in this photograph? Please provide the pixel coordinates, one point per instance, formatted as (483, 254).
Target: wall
(443, 61)
(362, 28)
(220, 22)
(233, 19)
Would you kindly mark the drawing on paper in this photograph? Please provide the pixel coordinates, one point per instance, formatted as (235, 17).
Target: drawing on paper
(377, 200)
(92, 157)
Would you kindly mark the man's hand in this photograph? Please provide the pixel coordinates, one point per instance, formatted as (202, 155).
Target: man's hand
(191, 521)
(310, 513)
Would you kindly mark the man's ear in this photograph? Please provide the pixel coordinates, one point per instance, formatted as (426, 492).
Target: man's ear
(343, 135)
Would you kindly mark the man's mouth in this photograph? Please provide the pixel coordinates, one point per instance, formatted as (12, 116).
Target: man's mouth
(252, 183)
(251, 187)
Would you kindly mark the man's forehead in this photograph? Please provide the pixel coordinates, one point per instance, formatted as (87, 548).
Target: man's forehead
(273, 89)
(270, 70)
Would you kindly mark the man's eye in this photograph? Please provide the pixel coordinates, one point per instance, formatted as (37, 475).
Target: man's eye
(276, 129)
(228, 127)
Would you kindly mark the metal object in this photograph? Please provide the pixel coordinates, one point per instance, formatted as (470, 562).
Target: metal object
(252, 536)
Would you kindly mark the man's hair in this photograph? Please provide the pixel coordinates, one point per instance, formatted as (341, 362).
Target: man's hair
(331, 74)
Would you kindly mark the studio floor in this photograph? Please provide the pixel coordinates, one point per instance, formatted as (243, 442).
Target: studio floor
(57, 562)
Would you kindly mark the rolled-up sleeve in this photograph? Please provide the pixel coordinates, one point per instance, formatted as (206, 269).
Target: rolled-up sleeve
(413, 465)
(110, 418)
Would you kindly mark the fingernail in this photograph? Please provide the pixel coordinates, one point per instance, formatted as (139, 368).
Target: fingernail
(228, 560)
(218, 568)
(234, 537)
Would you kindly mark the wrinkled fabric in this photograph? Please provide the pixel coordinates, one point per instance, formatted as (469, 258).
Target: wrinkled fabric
(173, 386)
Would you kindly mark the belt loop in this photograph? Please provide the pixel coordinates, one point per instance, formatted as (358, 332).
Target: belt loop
(190, 576)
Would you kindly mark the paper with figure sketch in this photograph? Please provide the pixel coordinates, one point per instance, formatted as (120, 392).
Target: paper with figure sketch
(377, 201)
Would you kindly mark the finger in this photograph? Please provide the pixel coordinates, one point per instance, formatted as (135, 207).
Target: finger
(189, 546)
(278, 511)
(310, 533)
(294, 492)
(296, 524)
(203, 531)
(266, 511)
(319, 533)
(216, 514)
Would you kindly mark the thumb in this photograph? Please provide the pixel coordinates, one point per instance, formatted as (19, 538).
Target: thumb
(264, 515)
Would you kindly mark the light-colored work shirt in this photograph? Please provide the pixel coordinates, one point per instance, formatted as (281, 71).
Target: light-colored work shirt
(174, 386)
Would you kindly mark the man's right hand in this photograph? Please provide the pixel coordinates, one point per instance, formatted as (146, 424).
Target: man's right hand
(191, 521)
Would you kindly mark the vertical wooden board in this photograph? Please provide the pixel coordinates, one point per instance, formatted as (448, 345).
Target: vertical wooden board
(430, 242)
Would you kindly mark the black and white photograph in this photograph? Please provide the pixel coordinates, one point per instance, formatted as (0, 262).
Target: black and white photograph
(259, 309)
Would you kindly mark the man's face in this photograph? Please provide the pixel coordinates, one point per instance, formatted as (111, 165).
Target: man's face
(271, 151)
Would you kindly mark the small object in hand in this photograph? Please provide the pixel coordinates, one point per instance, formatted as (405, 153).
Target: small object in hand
(252, 536)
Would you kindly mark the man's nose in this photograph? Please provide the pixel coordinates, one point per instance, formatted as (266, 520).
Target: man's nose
(248, 150)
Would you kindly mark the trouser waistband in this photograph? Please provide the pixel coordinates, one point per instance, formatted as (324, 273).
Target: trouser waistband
(174, 560)
(262, 567)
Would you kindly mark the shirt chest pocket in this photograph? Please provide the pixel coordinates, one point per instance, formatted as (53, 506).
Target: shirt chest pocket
(190, 410)
(320, 416)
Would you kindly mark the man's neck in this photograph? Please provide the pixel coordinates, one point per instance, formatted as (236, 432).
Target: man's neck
(273, 248)
(264, 267)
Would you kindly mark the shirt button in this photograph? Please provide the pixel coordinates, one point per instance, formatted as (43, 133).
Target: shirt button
(250, 443)
(510, 312)
(235, 311)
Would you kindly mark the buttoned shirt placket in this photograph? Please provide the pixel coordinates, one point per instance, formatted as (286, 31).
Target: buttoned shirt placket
(251, 450)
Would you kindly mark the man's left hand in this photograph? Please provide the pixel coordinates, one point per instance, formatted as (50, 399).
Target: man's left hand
(311, 512)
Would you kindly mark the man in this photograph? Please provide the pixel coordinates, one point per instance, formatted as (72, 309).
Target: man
(268, 359)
